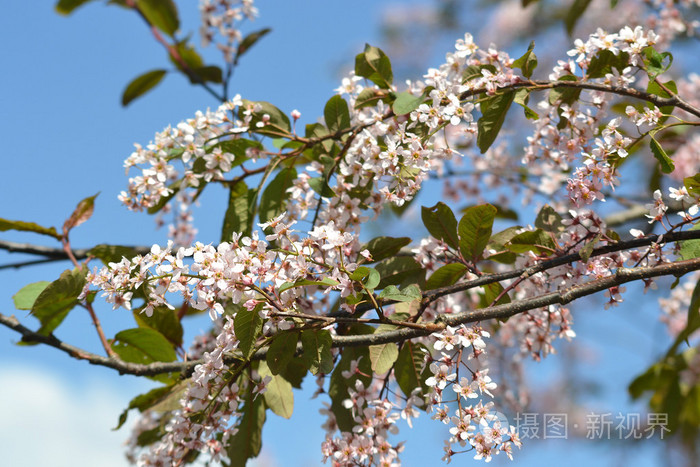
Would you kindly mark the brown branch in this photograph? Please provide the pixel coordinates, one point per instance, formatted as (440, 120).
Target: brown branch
(561, 260)
(87, 305)
(538, 85)
(430, 296)
(563, 297)
(122, 367)
(51, 254)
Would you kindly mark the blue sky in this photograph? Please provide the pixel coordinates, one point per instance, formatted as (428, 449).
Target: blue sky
(65, 137)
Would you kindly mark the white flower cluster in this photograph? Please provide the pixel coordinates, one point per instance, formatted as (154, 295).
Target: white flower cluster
(220, 18)
(242, 272)
(566, 130)
(189, 142)
(474, 424)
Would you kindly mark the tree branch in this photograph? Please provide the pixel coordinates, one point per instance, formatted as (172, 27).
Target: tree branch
(432, 295)
(538, 85)
(563, 297)
(122, 367)
(622, 276)
(51, 254)
(173, 52)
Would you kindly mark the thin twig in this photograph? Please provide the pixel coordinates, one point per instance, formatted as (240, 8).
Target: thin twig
(538, 85)
(52, 254)
(172, 52)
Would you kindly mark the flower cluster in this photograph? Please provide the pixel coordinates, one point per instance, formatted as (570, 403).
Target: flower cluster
(368, 443)
(220, 18)
(242, 272)
(209, 387)
(473, 423)
(194, 144)
(381, 158)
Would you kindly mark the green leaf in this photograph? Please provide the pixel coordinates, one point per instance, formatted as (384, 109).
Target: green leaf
(475, 71)
(274, 198)
(141, 85)
(367, 276)
(336, 114)
(409, 367)
(26, 296)
(521, 98)
(575, 12)
(383, 357)
(327, 281)
(247, 441)
(295, 373)
(238, 147)
(250, 40)
(248, 326)
(164, 320)
(143, 402)
(475, 229)
(210, 73)
(691, 248)
(161, 14)
(692, 184)
(528, 62)
(57, 299)
(172, 399)
(282, 350)
(587, 250)
(441, 223)
(174, 188)
(66, 7)
(503, 257)
(549, 220)
(493, 114)
(6, 224)
(317, 131)
(656, 63)
(498, 242)
(278, 396)
(369, 97)
(399, 270)
(374, 65)
(320, 186)
(491, 291)
(659, 88)
(406, 103)
(667, 165)
(657, 377)
(407, 294)
(446, 275)
(277, 125)
(603, 62)
(83, 211)
(385, 247)
(317, 355)
(112, 253)
(564, 95)
(238, 214)
(143, 345)
(537, 241)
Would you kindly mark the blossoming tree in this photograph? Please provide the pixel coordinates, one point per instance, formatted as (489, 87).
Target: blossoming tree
(391, 327)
